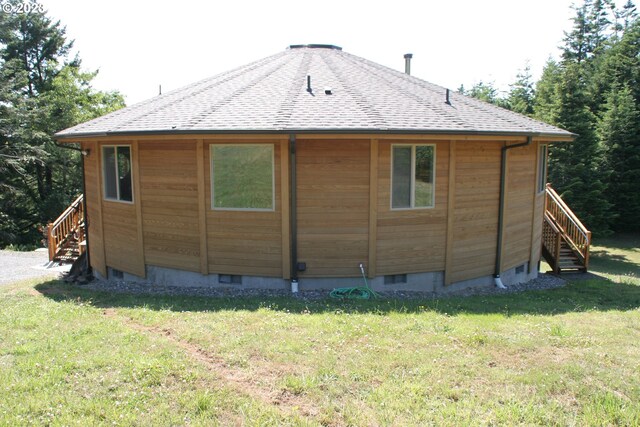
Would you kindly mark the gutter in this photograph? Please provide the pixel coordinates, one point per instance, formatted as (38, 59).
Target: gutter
(568, 136)
(503, 178)
(83, 153)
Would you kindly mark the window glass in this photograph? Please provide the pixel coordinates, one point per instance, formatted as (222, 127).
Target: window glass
(424, 176)
(401, 180)
(109, 169)
(542, 168)
(124, 173)
(116, 170)
(242, 176)
(412, 176)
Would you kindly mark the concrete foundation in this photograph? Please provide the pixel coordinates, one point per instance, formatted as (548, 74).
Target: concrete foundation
(431, 282)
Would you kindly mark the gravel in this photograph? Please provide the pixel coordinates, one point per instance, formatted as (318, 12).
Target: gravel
(18, 266)
(543, 281)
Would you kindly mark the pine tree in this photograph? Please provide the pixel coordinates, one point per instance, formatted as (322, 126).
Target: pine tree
(522, 94)
(546, 100)
(619, 129)
(576, 169)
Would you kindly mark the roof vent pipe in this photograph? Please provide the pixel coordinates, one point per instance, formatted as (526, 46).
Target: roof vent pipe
(407, 63)
(448, 101)
(309, 84)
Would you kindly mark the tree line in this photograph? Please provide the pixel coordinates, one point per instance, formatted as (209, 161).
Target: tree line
(593, 90)
(42, 91)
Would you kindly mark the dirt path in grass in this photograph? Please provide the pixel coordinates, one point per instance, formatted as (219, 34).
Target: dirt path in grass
(260, 383)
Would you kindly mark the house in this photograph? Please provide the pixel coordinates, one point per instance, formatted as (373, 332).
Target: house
(318, 166)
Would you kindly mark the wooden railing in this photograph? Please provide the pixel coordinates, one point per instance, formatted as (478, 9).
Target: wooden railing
(567, 224)
(551, 243)
(67, 225)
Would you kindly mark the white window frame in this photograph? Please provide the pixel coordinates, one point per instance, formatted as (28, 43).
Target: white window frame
(104, 180)
(273, 178)
(413, 178)
(543, 166)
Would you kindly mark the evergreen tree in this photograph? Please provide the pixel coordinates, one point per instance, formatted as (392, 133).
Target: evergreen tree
(522, 94)
(576, 169)
(619, 129)
(42, 91)
(486, 92)
(546, 100)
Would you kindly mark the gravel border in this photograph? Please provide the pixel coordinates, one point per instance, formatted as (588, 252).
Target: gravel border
(542, 282)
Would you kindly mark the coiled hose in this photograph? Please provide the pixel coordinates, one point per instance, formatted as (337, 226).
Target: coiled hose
(358, 292)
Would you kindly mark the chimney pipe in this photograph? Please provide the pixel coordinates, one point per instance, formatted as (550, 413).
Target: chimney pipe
(407, 63)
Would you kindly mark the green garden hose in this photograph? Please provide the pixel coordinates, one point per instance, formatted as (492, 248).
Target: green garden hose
(358, 292)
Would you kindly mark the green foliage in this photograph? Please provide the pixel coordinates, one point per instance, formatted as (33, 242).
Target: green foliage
(619, 129)
(521, 95)
(486, 92)
(42, 91)
(595, 93)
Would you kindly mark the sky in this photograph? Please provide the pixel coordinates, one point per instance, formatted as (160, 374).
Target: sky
(138, 45)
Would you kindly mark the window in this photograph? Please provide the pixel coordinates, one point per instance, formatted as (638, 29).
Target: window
(242, 177)
(412, 176)
(116, 172)
(542, 168)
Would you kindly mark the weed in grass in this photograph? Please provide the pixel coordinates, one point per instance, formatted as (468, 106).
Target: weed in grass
(558, 331)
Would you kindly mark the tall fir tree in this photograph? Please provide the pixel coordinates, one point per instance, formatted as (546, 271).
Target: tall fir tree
(619, 129)
(42, 91)
(521, 94)
(576, 168)
(546, 100)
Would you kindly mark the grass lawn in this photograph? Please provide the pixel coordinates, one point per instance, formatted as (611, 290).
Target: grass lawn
(568, 356)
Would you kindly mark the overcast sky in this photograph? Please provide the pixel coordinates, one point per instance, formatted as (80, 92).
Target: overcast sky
(138, 45)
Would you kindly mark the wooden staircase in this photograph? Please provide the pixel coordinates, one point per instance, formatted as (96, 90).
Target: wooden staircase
(565, 240)
(66, 235)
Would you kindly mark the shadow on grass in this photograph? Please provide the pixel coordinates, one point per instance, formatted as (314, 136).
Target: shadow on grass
(627, 241)
(603, 260)
(597, 294)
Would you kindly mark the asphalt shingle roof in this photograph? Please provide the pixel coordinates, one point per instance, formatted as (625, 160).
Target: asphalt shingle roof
(270, 95)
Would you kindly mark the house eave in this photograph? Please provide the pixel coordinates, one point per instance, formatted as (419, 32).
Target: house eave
(546, 136)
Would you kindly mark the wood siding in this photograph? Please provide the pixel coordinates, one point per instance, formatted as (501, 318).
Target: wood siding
(245, 242)
(475, 221)
(412, 240)
(122, 246)
(333, 206)
(343, 203)
(520, 190)
(169, 196)
(94, 208)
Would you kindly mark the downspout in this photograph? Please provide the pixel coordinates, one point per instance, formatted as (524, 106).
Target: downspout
(83, 153)
(503, 178)
(293, 214)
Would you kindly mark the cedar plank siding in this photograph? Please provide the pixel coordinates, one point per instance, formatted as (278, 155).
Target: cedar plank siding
(94, 209)
(521, 174)
(334, 212)
(122, 243)
(333, 206)
(414, 240)
(169, 195)
(475, 221)
(244, 242)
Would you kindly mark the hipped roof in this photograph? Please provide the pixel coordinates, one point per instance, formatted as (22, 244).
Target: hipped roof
(348, 94)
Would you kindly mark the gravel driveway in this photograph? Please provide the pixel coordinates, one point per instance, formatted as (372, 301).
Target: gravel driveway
(16, 266)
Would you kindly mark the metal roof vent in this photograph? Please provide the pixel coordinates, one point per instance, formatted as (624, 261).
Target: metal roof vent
(328, 91)
(407, 63)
